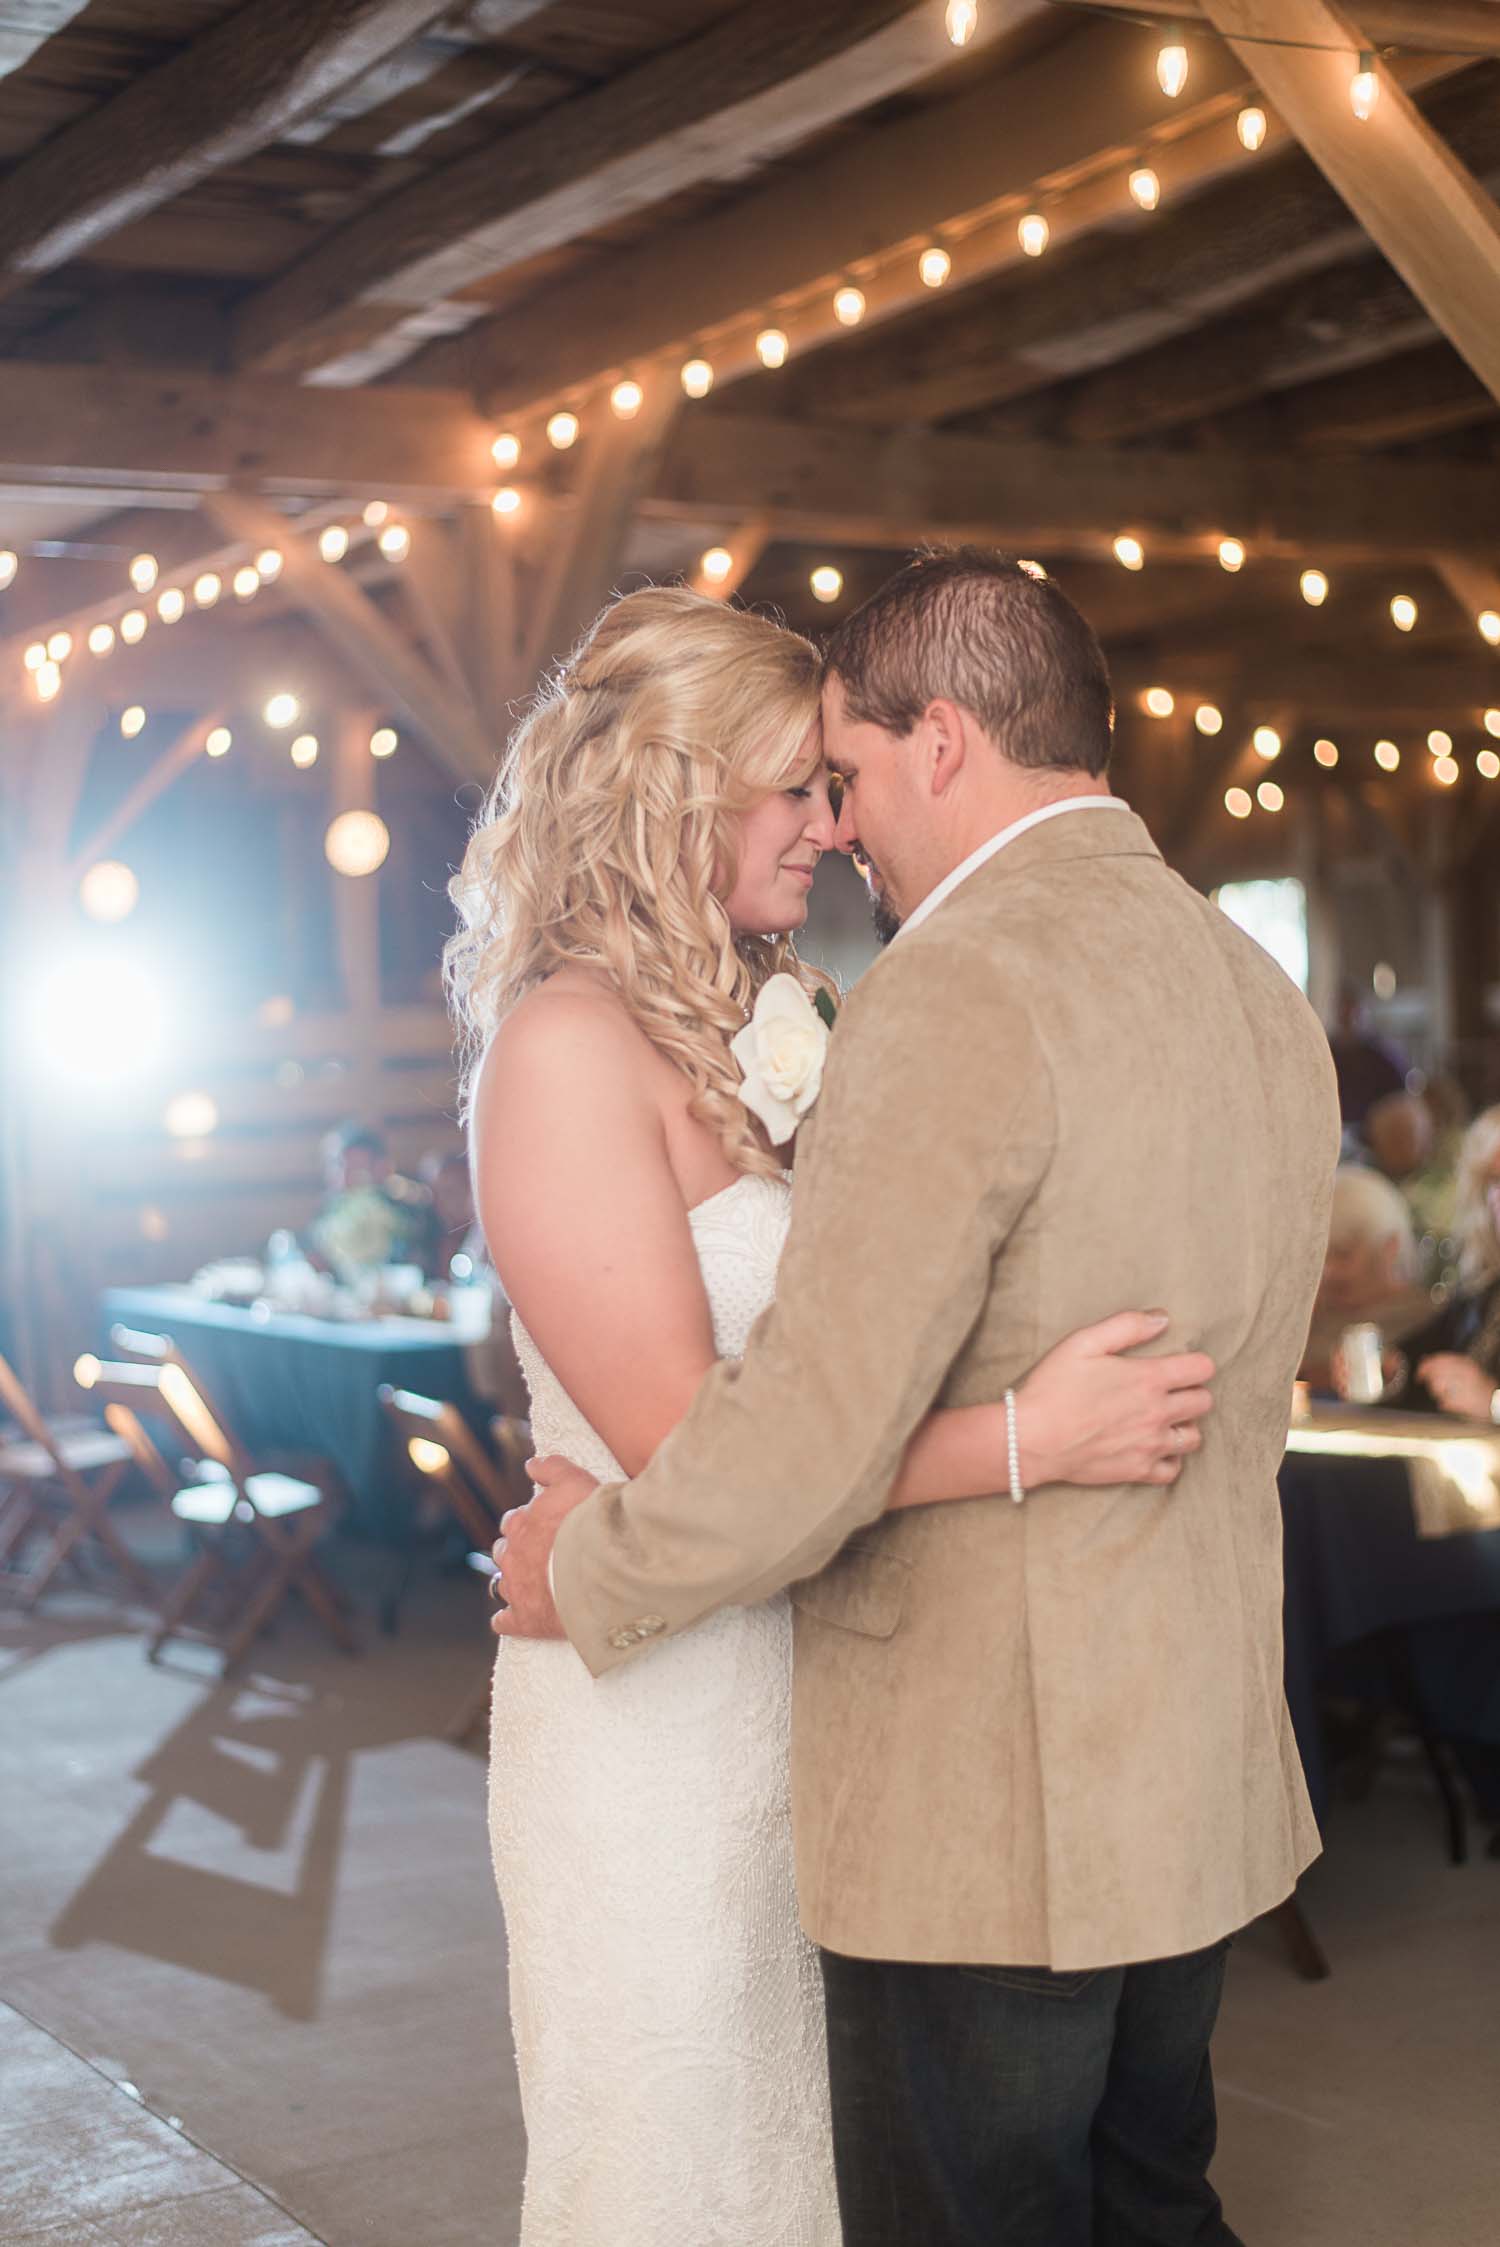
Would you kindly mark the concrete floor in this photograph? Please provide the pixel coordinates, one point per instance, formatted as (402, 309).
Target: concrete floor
(253, 1973)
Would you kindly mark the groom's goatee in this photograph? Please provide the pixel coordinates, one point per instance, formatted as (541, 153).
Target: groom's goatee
(886, 919)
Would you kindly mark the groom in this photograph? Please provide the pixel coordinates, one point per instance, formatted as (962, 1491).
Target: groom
(1042, 1766)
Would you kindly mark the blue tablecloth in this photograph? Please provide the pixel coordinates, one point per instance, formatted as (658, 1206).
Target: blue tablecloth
(290, 1383)
(1355, 1570)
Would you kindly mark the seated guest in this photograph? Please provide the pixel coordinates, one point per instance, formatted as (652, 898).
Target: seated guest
(445, 1174)
(1370, 1271)
(1455, 1356)
(1398, 1135)
(1432, 1192)
(371, 1216)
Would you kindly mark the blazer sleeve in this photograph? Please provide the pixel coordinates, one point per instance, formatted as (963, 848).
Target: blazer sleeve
(934, 1129)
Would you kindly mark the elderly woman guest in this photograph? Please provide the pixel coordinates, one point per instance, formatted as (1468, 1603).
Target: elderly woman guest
(1370, 1270)
(1456, 1356)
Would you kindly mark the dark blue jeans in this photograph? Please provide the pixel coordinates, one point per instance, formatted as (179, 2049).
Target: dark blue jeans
(997, 2106)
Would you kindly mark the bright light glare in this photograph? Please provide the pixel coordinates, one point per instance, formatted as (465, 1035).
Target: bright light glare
(96, 1019)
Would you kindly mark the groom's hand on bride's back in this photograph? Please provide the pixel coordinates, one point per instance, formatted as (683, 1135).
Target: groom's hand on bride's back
(1090, 1413)
(523, 1550)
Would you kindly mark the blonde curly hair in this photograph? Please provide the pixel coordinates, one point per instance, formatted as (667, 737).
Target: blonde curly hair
(610, 837)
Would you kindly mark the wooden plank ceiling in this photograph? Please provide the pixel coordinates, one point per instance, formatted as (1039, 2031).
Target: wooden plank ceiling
(263, 262)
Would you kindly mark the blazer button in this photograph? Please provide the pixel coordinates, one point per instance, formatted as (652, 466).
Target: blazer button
(651, 1626)
(622, 1638)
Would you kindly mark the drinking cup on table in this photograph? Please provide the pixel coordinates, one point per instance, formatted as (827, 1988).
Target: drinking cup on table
(1359, 1367)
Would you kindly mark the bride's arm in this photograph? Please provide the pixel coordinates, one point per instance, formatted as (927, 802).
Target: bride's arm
(1084, 1414)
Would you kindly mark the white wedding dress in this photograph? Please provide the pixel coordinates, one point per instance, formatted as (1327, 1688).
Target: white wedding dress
(667, 2008)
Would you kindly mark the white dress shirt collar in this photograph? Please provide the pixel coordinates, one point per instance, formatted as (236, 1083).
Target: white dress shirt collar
(986, 851)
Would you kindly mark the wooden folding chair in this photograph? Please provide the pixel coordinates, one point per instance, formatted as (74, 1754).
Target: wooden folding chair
(445, 1451)
(59, 1476)
(281, 1517)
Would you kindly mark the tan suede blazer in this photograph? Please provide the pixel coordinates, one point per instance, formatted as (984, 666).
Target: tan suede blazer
(1054, 1733)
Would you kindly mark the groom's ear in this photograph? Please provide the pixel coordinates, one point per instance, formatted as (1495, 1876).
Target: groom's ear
(946, 743)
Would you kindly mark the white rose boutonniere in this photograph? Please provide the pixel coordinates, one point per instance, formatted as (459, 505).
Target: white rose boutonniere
(781, 1052)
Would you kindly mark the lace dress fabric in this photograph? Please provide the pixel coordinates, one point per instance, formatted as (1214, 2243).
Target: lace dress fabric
(667, 2008)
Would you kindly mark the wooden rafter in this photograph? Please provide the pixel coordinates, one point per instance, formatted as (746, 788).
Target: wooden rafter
(362, 634)
(1270, 220)
(235, 87)
(1409, 191)
(1439, 27)
(1418, 393)
(747, 87)
(952, 172)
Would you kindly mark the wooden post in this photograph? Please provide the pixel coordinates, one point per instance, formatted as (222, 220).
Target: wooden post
(356, 912)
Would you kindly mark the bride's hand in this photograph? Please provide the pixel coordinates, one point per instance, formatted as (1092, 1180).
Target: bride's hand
(1088, 1414)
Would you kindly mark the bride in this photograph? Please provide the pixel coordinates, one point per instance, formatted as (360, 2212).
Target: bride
(635, 879)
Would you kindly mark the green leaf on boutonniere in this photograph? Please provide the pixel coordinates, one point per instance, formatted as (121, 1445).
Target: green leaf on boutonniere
(823, 1001)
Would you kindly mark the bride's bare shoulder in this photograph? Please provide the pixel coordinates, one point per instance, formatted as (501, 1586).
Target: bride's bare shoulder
(572, 1036)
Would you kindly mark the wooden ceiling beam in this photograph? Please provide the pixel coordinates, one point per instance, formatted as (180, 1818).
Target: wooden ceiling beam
(830, 481)
(1442, 27)
(231, 90)
(1407, 188)
(1270, 220)
(1415, 394)
(955, 174)
(748, 87)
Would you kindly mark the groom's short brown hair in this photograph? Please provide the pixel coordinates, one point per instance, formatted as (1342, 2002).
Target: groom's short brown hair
(967, 625)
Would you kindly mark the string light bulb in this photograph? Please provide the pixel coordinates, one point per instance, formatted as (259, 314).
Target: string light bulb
(626, 400)
(934, 267)
(1440, 743)
(48, 678)
(1492, 723)
(826, 582)
(961, 21)
(304, 751)
(133, 626)
(1445, 771)
(219, 742)
(143, 572)
(1033, 233)
(9, 564)
(101, 639)
(333, 543)
(376, 512)
(1172, 68)
(1488, 621)
(132, 721)
(1387, 755)
(282, 710)
(849, 306)
(246, 583)
(109, 890)
(507, 501)
(1327, 753)
(1251, 127)
(1158, 702)
(771, 347)
(562, 431)
(207, 588)
(1403, 612)
(1364, 89)
(1314, 588)
(395, 542)
(697, 377)
(171, 605)
(36, 655)
(268, 564)
(60, 647)
(506, 450)
(356, 843)
(1270, 796)
(1145, 187)
(1237, 803)
(1488, 764)
(1266, 742)
(1209, 719)
(384, 741)
(716, 564)
(1129, 552)
(1231, 554)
